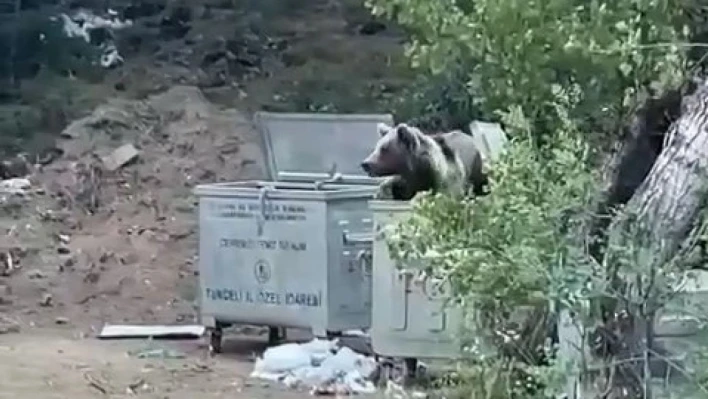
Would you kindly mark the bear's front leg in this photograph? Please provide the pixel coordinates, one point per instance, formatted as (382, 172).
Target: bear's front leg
(388, 188)
(396, 188)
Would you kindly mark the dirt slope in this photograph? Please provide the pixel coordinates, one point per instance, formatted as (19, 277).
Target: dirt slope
(119, 246)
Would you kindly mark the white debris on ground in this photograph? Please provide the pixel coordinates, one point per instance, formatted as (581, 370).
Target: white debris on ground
(16, 185)
(319, 365)
(81, 23)
(396, 391)
(356, 333)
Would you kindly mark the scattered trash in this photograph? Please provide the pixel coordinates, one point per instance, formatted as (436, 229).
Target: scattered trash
(9, 263)
(119, 157)
(357, 340)
(319, 365)
(396, 391)
(84, 23)
(16, 185)
(127, 331)
(133, 387)
(356, 333)
(8, 326)
(63, 238)
(157, 353)
(95, 383)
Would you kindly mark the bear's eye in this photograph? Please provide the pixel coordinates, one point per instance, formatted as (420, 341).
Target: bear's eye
(384, 149)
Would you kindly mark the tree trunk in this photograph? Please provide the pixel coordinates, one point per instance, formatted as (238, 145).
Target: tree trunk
(627, 168)
(658, 218)
(668, 201)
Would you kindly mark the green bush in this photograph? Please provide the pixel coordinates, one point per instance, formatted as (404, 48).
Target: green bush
(562, 76)
(498, 252)
(514, 52)
(436, 103)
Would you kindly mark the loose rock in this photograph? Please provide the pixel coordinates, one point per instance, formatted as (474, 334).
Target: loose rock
(8, 326)
(47, 300)
(36, 274)
(120, 157)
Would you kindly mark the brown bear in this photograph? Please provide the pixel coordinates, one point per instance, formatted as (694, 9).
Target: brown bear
(415, 162)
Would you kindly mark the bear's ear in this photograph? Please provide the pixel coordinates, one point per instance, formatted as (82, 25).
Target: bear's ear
(382, 128)
(406, 136)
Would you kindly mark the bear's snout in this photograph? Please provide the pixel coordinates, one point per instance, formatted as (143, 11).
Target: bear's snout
(367, 167)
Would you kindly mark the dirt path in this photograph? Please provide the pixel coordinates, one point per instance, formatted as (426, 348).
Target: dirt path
(51, 363)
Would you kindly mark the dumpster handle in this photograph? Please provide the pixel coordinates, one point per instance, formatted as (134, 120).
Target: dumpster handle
(333, 177)
(357, 238)
(261, 217)
(365, 259)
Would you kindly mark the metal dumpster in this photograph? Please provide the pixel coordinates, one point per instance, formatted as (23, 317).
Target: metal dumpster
(410, 320)
(295, 251)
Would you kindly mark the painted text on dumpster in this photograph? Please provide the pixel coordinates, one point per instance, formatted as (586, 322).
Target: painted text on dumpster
(265, 297)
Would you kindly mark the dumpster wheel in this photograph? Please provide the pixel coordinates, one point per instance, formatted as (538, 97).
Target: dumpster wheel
(276, 335)
(333, 334)
(216, 336)
(410, 369)
(403, 373)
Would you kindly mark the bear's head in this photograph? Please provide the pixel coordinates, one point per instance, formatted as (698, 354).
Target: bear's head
(394, 152)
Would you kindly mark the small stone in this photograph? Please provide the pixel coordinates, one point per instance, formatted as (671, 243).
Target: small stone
(5, 293)
(120, 157)
(64, 239)
(92, 277)
(67, 263)
(47, 300)
(105, 256)
(36, 274)
(63, 250)
(8, 326)
(129, 259)
(61, 320)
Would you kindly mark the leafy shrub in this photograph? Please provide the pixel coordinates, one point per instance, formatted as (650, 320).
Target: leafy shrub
(437, 103)
(513, 53)
(562, 76)
(498, 252)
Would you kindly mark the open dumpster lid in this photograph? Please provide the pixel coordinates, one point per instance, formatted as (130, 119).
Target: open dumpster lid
(489, 137)
(311, 147)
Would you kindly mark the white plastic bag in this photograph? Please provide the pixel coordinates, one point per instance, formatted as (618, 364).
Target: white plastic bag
(282, 358)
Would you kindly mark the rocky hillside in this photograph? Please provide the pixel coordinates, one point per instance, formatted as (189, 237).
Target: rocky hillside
(284, 55)
(104, 229)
